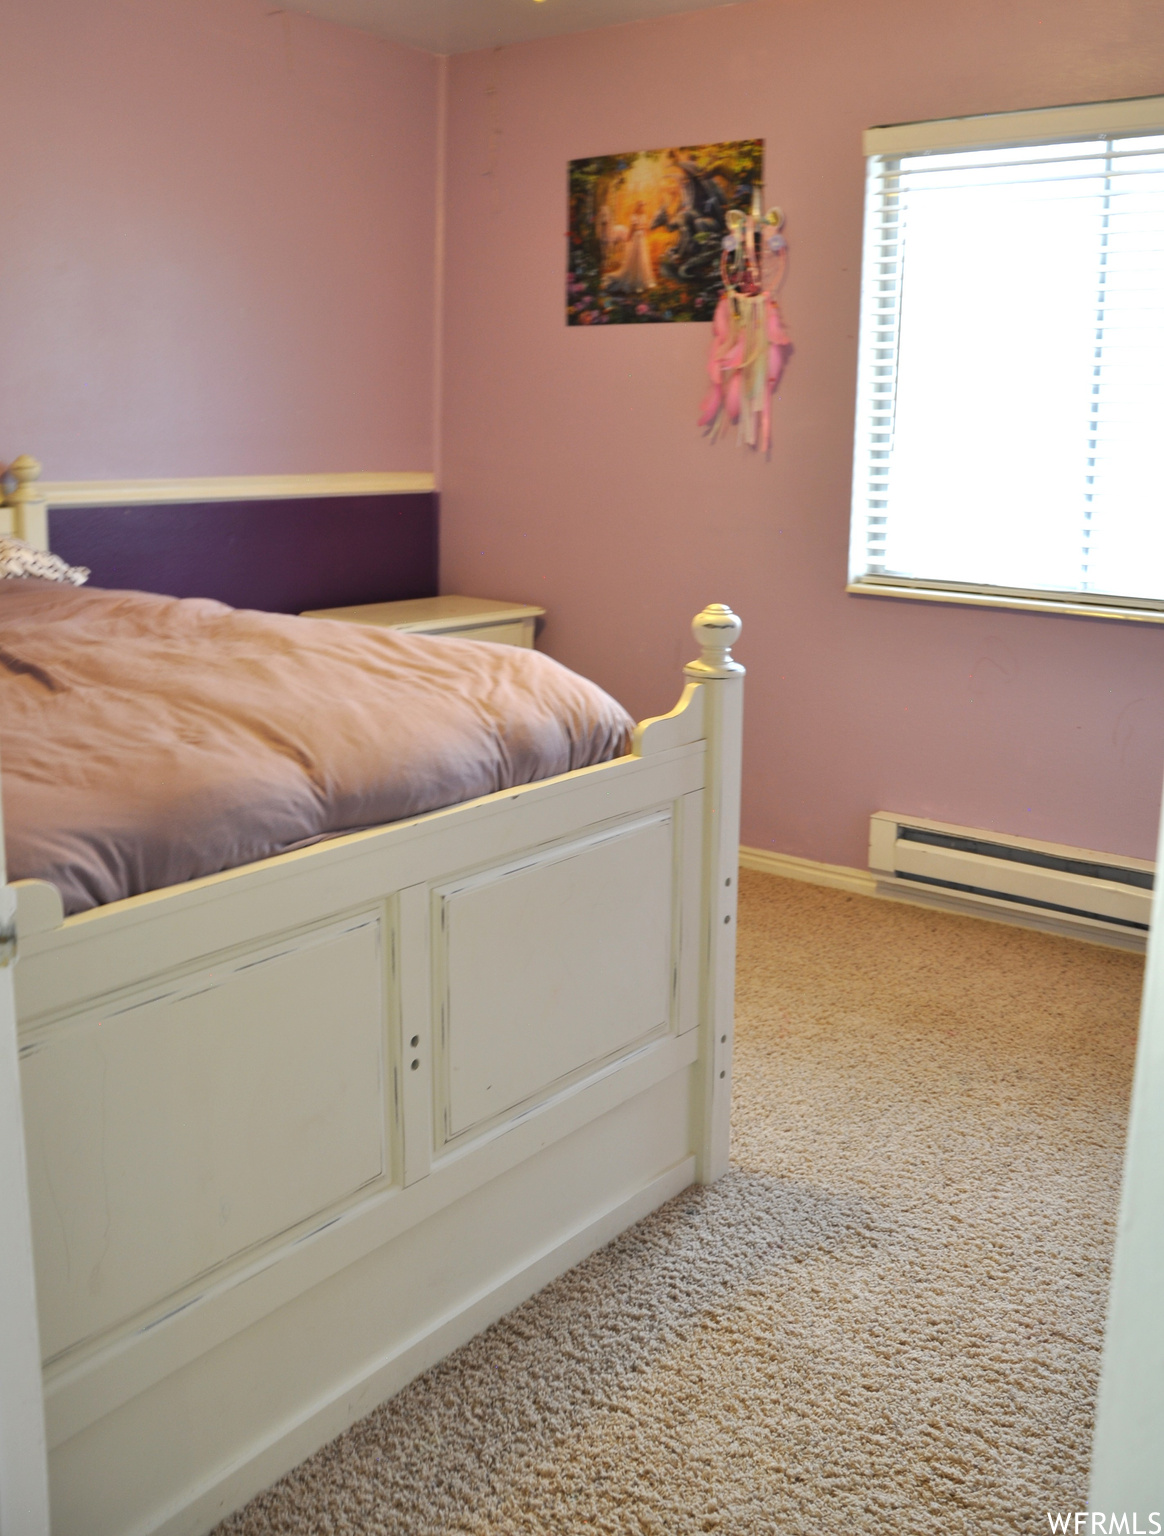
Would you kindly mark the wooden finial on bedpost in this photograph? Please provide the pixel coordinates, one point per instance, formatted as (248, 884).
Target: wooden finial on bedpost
(29, 513)
(716, 630)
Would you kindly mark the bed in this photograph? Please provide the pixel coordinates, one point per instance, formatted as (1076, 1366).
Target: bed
(299, 1127)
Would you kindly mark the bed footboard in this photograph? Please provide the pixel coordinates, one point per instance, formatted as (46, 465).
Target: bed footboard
(297, 1130)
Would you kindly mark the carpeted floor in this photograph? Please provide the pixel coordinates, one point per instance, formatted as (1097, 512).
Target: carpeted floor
(887, 1318)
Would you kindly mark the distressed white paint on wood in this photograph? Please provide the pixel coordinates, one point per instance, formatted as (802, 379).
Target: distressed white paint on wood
(304, 1328)
(682, 726)
(180, 1127)
(88, 1385)
(207, 1438)
(416, 1047)
(716, 630)
(689, 949)
(23, 1467)
(39, 908)
(552, 964)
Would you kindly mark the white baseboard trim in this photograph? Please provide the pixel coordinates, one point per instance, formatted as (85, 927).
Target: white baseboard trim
(863, 882)
(264, 1463)
(838, 876)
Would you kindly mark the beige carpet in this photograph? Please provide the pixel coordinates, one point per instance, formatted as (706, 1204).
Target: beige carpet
(886, 1319)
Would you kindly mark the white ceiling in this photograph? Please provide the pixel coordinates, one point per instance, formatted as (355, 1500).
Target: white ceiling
(458, 26)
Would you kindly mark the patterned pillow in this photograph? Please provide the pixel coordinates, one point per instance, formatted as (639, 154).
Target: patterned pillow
(18, 559)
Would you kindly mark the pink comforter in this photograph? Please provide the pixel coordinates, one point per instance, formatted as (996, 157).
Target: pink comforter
(148, 740)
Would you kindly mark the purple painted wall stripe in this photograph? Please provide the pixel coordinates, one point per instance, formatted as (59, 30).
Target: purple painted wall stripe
(280, 556)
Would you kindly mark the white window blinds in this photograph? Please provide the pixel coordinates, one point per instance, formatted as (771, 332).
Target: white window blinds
(1010, 413)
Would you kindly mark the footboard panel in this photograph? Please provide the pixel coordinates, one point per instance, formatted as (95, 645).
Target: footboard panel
(187, 1123)
(551, 964)
(175, 1459)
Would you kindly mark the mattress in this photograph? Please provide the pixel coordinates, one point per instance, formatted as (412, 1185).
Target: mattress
(147, 740)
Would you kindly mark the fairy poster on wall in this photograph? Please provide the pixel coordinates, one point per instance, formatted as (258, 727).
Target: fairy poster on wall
(647, 230)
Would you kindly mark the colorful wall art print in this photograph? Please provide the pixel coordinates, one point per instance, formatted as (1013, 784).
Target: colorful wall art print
(647, 230)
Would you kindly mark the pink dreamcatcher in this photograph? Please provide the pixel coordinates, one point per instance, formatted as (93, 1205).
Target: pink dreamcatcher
(749, 345)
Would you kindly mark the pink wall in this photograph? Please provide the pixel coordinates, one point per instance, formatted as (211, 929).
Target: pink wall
(216, 241)
(573, 474)
(216, 253)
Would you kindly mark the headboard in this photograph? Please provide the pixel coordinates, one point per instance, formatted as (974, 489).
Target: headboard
(284, 543)
(22, 509)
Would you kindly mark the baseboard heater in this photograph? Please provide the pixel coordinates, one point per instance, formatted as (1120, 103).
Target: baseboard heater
(1068, 888)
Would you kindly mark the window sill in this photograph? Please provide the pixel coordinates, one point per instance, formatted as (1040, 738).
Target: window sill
(1074, 607)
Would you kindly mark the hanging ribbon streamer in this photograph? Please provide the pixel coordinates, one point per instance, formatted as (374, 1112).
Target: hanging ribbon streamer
(749, 345)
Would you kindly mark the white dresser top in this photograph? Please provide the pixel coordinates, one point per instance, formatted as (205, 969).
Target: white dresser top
(432, 614)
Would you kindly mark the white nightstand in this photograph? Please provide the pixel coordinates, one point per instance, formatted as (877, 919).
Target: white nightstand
(464, 618)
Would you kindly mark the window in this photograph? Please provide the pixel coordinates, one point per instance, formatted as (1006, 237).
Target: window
(1010, 408)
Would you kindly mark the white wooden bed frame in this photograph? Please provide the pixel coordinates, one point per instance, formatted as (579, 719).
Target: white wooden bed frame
(297, 1130)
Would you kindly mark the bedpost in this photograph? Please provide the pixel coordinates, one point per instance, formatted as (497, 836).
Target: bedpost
(722, 681)
(23, 1465)
(29, 512)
